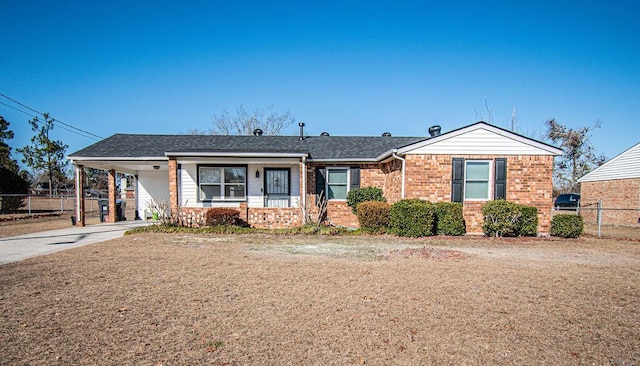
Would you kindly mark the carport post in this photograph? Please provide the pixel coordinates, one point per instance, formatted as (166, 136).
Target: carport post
(79, 196)
(113, 210)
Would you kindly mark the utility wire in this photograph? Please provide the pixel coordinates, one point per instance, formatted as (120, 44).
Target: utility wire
(62, 127)
(56, 120)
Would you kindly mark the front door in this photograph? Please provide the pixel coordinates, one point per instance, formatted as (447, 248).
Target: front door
(276, 187)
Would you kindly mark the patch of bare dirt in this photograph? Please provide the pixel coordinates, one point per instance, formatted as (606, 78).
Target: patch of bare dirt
(283, 300)
(425, 253)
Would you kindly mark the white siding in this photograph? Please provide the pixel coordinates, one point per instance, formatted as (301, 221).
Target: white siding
(624, 166)
(152, 185)
(480, 141)
(188, 186)
(255, 197)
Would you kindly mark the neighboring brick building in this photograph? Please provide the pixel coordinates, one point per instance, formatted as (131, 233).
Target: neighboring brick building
(617, 185)
(270, 179)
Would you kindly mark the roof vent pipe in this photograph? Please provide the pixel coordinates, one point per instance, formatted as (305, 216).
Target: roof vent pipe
(257, 132)
(434, 131)
(324, 134)
(301, 124)
(386, 134)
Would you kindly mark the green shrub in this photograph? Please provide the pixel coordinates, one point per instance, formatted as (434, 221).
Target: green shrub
(449, 218)
(222, 217)
(412, 217)
(528, 221)
(567, 225)
(501, 218)
(373, 215)
(359, 195)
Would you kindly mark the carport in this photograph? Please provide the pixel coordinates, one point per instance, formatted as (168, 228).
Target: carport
(112, 166)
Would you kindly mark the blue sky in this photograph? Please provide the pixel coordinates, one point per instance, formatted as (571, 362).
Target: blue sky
(348, 68)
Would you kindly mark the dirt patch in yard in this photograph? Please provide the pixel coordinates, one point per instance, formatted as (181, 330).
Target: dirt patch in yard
(264, 299)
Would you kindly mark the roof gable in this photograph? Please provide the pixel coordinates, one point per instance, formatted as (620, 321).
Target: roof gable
(481, 138)
(625, 165)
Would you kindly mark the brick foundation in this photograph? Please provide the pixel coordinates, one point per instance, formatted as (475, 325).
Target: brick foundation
(263, 218)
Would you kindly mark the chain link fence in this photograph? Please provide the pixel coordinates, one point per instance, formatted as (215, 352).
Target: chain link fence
(12, 205)
(609, 222)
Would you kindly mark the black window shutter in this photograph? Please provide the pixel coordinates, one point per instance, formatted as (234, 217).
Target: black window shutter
(500, 181)
(355, 177)
(457, 180)
(321, 182)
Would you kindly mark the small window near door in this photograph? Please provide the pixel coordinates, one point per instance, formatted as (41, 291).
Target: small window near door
(476, 175)
(337, 184)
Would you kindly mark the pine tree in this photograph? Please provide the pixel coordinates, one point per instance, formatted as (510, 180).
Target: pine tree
(44, 154)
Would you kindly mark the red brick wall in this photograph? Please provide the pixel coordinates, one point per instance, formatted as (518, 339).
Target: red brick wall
(264, 218)
(529, 182)
(274, 218)
(618, 193)
(386, 176)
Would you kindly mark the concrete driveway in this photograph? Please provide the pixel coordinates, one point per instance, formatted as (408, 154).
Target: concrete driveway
(17, 248)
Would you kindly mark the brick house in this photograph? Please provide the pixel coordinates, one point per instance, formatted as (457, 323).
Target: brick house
(617, 184)
(269, 179)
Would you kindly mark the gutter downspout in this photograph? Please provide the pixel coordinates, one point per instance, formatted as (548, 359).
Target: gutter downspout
(303, 192)
(394, 152)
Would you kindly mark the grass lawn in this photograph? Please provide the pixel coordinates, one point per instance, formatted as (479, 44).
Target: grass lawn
(184, 299)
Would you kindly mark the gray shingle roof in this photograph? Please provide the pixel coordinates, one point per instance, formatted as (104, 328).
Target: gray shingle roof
(318, 147)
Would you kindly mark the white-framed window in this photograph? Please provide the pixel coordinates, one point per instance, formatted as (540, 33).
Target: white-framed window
(337, 183)
(477, 178)
(222, 183)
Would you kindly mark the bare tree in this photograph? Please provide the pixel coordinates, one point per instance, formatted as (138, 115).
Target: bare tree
(244, 122)
(579, 156)
(480, 116)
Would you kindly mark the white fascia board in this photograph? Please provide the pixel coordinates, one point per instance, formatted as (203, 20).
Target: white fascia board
(343, 161)
(477, 126)
(235, 154)
(116, 158)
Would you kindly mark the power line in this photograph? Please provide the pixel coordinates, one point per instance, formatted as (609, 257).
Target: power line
(56, 120)
(62, 127)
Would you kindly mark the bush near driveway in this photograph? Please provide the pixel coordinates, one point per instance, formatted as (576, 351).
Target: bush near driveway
(567, 225)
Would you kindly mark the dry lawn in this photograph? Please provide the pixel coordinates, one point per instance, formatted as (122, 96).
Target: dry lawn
(299, 300)
(23, 224)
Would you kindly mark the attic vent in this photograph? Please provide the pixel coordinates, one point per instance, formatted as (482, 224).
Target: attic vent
(386, 134)
(434, 131)
(257, 132)
(324, 134)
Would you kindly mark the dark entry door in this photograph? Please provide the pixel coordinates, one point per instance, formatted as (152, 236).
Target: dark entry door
(277, 187)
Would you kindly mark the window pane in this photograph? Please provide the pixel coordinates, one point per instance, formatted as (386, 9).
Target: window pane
(234, 175)
(209, 192)
(478, 190)
(234, 191)
(477, 170)
(337, 176)
(209, 175)
(337, 192)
